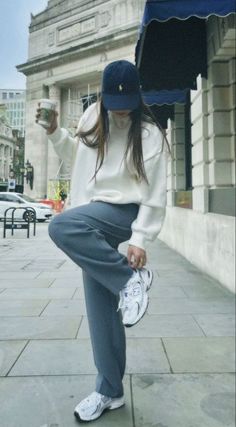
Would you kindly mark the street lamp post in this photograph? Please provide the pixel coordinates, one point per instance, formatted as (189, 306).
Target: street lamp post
(28, 172)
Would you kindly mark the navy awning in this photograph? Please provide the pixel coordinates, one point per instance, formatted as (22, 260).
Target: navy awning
(162, 103)
(163, 10)
(172, 49)
(165, 97)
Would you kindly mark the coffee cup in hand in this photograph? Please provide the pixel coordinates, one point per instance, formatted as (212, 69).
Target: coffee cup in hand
(47, 110)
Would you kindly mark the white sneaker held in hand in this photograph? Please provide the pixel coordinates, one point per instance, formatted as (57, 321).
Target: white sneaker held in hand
(133, 297)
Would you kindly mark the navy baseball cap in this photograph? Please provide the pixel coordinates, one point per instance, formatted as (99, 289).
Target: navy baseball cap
(121, 86)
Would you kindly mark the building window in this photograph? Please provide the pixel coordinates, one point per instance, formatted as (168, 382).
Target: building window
(88, 100)
(11, 95)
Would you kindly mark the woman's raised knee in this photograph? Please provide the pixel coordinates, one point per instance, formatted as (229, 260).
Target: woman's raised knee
(56, 227)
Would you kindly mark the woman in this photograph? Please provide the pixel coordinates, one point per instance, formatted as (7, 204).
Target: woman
(118, 193)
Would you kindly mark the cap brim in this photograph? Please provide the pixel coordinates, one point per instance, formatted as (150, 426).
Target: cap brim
(121, 102)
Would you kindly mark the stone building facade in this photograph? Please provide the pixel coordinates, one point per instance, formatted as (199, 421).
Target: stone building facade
(14, 101)
(70, 43)
(200, 221)
(7, 144)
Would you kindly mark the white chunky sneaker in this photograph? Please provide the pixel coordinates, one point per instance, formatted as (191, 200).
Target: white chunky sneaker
(133, 297)
(95, 404)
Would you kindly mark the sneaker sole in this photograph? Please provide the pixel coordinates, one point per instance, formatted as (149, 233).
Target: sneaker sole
(115, 405)
(127, 325)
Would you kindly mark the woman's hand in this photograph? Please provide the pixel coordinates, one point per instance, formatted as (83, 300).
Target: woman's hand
(137, 257)
(53, 124)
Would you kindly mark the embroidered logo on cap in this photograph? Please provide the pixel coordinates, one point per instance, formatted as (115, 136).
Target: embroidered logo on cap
(120, 88)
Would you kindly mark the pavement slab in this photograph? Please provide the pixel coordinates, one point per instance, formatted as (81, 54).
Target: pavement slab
(74, 282)
(46, 264)
(207, 354)
(79, 293)
(184, 400)
(22, 308)
(15, 274)
(199, 290)
(39, 293)
(154, 326)
(25, 283)
(191, 306)
(60, 274)
(166, 326)
(55, 357)
(13, 266)
(38, 328)
(217, 324)
(69, 265)
(139, 360)
(65, 308)
(50, 402)
(173, 278)
(160, 291)
(178, 271)
(9, 352)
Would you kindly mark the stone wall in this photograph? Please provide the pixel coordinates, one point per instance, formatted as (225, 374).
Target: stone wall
(207, 241)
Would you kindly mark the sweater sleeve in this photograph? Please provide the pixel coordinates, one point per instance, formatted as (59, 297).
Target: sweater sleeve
(64, 144)
(151, 213)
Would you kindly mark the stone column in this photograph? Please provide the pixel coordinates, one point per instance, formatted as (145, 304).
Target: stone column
(176, 163)
(53, 163)
(221, 125)
(200, 149)
(179, 148)
(170, 165)
(232, 94)
(35, 140)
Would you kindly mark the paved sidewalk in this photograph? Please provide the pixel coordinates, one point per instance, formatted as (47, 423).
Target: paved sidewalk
(180, 357)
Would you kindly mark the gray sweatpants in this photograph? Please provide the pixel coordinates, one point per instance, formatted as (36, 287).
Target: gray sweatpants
(90, 236)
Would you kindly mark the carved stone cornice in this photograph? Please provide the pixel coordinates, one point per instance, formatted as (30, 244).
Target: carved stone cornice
(56, 12)
(77, 52)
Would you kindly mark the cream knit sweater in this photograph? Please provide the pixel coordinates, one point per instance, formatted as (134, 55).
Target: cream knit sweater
(116, 181)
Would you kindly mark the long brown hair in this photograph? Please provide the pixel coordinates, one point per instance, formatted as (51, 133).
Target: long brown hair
(98, 137)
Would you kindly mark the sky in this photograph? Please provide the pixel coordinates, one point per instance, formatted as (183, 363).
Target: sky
(14, 23)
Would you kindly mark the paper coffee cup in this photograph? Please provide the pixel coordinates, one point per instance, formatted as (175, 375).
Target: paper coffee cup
(47, 109)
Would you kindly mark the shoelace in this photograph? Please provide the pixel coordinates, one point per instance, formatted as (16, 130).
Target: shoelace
(94, 399)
